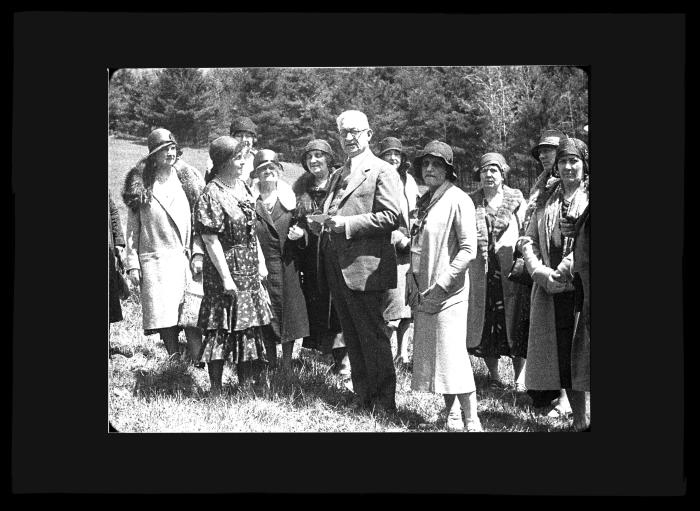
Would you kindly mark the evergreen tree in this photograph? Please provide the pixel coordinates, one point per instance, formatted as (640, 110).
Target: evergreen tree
(182, 101)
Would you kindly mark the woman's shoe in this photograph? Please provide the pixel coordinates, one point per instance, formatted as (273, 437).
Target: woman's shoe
(520, 388)
(454, 421)
(473, 426)
(559, 410)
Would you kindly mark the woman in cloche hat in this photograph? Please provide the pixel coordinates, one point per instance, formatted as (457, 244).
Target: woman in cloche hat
(235, 307)
(162, 254)
(494, 304)
(443, 244)
(325, 335)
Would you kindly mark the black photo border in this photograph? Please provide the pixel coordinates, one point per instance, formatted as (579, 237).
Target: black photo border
(60, 442)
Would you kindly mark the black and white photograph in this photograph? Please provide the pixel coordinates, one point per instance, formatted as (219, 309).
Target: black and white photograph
(349, 253)
(367, 249)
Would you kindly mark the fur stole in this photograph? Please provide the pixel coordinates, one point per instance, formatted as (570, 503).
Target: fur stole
(285, 194)
(135, 193)
(512, 198)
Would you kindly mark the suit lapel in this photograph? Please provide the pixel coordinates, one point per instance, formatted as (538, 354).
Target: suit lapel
(356, 179)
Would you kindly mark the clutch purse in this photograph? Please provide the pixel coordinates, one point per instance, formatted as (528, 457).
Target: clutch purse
(518, 271)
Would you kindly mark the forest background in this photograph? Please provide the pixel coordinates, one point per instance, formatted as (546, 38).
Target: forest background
(473, 109)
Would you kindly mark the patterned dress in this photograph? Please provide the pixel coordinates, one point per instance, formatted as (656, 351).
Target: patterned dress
(231, 325)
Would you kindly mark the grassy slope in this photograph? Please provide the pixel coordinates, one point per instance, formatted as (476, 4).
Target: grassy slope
(149, 394)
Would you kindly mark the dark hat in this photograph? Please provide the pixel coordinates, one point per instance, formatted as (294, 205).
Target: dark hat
(158, 139)
(318, 144)
(491, 159)
(388, 144)
(440, 150)
(243, 124)
(222, 149)
(264, 156)
(572, 146)
(548, 138)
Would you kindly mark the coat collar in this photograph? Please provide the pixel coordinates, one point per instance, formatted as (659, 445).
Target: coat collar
(285, 194)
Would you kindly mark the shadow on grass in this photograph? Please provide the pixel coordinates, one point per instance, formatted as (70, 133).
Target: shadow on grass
(310, 380)
(502, 421)
(170, 378)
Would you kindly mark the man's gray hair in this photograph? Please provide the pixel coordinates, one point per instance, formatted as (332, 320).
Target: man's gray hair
(359, 118)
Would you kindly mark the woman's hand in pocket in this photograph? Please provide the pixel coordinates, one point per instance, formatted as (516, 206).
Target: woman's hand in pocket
(435, 293)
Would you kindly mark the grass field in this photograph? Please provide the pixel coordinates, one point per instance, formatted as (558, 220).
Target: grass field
(148, 393)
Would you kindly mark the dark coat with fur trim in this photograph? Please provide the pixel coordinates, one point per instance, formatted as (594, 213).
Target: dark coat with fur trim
(324, 325)
(160, 242)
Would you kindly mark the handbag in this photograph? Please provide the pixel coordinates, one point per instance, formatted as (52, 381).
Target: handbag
(518, 271)
(189, 314)
(120, 281)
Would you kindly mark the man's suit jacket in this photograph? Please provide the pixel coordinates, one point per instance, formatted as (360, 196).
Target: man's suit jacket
(370, 203)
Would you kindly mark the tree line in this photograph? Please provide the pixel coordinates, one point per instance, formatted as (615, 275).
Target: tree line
(473, 109)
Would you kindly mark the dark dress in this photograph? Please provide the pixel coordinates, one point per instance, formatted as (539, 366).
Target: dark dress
(324, 325)
(564, 312)
(232, 327)
(115, 237)
(289, 317)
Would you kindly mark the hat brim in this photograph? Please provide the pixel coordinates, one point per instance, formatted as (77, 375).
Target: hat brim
(330, 159)
(536, 150)
(159, 147)
(267, 162)
(419, 168)
(393, 149)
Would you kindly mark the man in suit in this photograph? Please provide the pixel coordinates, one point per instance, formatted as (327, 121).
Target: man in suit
(360, 260)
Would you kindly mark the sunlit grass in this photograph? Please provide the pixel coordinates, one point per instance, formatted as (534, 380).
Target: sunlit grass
(149, 393)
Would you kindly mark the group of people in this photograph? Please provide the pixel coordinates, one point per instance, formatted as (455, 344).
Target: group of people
(352, 259)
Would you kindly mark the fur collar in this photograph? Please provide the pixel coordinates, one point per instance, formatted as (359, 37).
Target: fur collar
(307, 182)
(135, 193)
(285, 194)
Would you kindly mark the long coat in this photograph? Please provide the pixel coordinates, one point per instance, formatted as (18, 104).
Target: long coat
(504, 248)
(395, 299)
(290, 320)
(447, 247)
(324, 324)
(577, 267)
(159, 242)
(115, 238)
(542, 358)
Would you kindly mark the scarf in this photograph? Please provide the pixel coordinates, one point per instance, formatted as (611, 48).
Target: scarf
(511, 200)
(552, 209)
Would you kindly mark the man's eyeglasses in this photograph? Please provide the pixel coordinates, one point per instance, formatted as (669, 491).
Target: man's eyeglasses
(354, 133)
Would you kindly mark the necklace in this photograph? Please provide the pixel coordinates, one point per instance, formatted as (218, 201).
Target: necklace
(231, 186)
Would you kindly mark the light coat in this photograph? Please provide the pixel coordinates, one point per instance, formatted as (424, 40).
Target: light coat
(448, 246)
(542, 359)
(504, 248)
(159, 242)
